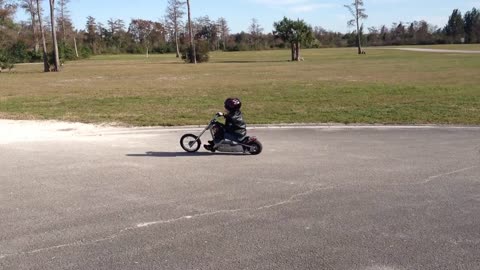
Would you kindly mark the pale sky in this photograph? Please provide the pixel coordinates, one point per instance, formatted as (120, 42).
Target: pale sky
(330, 14)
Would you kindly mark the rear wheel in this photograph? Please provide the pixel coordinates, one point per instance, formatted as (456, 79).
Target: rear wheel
(190, 143)
(255, 148)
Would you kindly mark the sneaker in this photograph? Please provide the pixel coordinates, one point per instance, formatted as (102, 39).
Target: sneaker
(208, 147)
(211, 142)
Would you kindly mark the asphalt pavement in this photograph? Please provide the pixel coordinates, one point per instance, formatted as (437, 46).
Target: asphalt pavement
(367, 198)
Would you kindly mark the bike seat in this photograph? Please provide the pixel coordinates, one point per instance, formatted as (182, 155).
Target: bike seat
(244, 139)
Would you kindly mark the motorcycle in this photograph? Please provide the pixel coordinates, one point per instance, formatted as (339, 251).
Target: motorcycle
(192, 143)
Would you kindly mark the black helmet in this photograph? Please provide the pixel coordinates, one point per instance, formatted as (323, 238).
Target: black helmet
(233, 104)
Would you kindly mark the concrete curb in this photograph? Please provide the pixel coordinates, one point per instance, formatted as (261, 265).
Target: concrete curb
(291, 126)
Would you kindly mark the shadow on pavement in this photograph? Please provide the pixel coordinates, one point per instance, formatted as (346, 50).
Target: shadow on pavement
(182, 154)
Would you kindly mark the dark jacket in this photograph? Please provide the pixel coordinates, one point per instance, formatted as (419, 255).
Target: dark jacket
(235, 124)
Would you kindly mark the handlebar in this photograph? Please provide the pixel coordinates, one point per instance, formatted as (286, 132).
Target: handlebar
(215, 117)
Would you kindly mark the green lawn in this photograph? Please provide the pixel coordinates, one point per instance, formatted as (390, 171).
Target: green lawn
(465, 47)
(332, 85)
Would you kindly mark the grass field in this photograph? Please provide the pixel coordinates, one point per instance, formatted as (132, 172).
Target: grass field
(464, 47)
(332, 85)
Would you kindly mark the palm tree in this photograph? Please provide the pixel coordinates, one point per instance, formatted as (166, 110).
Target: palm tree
(295, 33)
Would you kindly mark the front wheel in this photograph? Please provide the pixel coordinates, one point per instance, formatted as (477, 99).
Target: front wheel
(190, 143)
(255, 148)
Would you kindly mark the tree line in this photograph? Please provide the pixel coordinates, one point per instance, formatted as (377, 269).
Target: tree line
(27, 41)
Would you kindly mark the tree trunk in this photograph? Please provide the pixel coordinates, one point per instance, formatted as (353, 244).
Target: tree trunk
(192, 44)
(176, 42)
(359, 39)
(75, 44)
(292, 45)
(64, 31)
(54, 36)
(46, 66)
(36, 46)
(175, 29)
(297, 51)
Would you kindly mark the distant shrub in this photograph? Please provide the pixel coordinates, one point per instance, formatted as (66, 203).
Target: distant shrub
(163, 48)
(85, 52)
(66, 52)
(18, 52)
(202, 51)
(6, 61)
(34, 56)
(136, 49)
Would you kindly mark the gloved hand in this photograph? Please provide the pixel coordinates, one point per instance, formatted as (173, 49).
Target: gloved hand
(220, 114)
